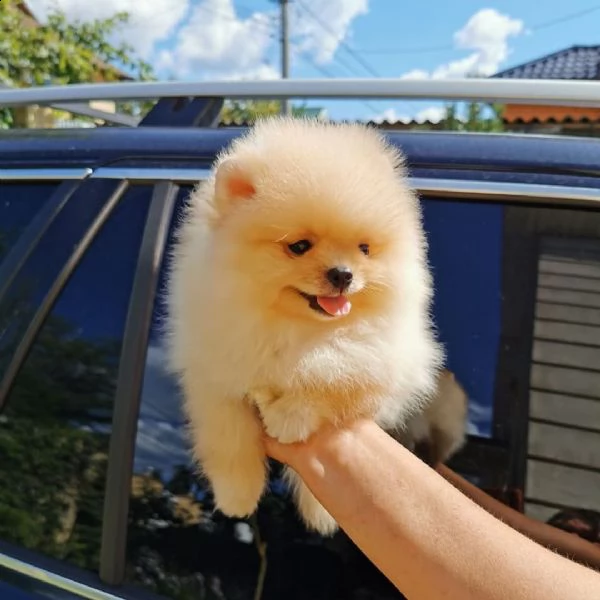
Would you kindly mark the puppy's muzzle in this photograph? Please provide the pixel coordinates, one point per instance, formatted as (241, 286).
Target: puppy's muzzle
(339, 277)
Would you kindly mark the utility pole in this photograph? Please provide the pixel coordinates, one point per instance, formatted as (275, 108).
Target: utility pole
(285, 51)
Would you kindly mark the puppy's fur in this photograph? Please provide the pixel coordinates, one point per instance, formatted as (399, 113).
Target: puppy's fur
(257, 327)
(438, 431)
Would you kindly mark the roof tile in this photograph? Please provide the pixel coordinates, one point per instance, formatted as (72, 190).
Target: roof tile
(577, 62)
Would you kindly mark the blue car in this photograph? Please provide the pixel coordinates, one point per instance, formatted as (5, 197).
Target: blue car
(99, 498)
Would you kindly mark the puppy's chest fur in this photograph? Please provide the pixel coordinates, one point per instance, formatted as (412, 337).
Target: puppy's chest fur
(297, 386)
(249, 355)
(289, 361)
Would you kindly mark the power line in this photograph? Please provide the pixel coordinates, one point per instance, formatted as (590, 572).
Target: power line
(447, 47)
(565, 18)
(354, 53)
(331, 75)
(348, 48)
(421, 50)
(340, 59)
(204, 7)
(367, 66)
(347, 65)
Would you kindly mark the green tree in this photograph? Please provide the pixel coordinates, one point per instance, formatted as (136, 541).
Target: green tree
(240, 111)
(476, 116)
(248, 111)
(53, 453)
(62, 52)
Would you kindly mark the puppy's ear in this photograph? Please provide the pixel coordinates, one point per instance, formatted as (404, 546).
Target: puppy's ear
(233, 184)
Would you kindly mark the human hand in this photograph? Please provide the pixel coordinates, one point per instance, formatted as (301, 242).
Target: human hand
(328, 440)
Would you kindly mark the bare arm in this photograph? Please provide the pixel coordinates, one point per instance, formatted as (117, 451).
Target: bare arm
(567, 544)
(428, 538)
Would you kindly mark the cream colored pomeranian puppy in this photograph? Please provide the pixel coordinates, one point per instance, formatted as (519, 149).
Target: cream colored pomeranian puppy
(299, 295)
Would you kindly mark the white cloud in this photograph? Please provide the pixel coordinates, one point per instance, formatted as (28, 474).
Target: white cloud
(209, 39)
(215, 41)
(415, 74)
(458, 68)
(479, 418)
(151, 21)
(321, 37)
(161, 440)
(487, 33)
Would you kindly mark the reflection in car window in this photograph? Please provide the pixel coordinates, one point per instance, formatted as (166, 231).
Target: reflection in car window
(55, 427)
(485, 263)
(19, 203)
(465, 245)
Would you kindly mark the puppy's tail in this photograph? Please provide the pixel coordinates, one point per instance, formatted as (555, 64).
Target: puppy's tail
(311, 511)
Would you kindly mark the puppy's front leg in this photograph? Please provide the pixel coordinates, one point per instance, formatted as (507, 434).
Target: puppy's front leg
(290, 418)
(287, 417)
(228, 445)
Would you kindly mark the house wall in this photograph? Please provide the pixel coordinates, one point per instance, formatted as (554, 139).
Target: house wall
(530, 112)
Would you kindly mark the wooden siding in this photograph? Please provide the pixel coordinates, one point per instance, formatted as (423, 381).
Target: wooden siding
(563, 461)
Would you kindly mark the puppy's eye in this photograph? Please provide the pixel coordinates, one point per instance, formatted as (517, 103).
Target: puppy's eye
(300, 247)
(364, 248)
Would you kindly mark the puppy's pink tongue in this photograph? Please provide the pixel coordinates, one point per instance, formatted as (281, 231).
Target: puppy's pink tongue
(334, 305)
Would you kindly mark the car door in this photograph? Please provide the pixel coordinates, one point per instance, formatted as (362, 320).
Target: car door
(69, 251)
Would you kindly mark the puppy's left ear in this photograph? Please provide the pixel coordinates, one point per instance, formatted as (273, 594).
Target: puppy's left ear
(233, 184)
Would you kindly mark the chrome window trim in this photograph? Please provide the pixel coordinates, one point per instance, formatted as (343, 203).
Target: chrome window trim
(497, 191)
(502, 191)
(464, 189)
(57, 581)
(43, 174)
(142, 174)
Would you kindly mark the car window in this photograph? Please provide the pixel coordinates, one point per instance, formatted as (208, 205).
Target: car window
(491, 294)
(43, 266)
(465, 245)
(55, 426)
(19, 203)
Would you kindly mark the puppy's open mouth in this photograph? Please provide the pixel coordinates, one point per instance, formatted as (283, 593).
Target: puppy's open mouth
(332, 306)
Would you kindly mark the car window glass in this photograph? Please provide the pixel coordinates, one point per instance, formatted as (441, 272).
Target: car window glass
(19, 203)
(55, 426)
(496, 309)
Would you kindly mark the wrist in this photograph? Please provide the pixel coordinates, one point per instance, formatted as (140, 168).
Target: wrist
(331, 448)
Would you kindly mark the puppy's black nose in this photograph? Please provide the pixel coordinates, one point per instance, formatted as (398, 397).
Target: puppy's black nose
(339, 277)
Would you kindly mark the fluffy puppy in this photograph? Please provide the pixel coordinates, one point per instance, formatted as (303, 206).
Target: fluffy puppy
(438, 431)
(299, 294)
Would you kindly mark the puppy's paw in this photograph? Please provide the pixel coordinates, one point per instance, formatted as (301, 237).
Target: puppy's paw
(238, 482)
(289, 421)
(312, 512)
(237, 494)
(263, 396)
(317, 519)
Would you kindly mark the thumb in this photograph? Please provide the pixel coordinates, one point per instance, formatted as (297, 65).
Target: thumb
(283, 453)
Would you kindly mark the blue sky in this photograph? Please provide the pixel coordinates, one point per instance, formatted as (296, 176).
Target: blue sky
(213, 39)
(422, 33)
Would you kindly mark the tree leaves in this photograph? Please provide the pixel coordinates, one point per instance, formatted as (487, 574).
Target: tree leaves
(61, 52)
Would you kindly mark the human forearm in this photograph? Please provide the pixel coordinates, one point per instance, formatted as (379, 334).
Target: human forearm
(567, 544)
(426, 537)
